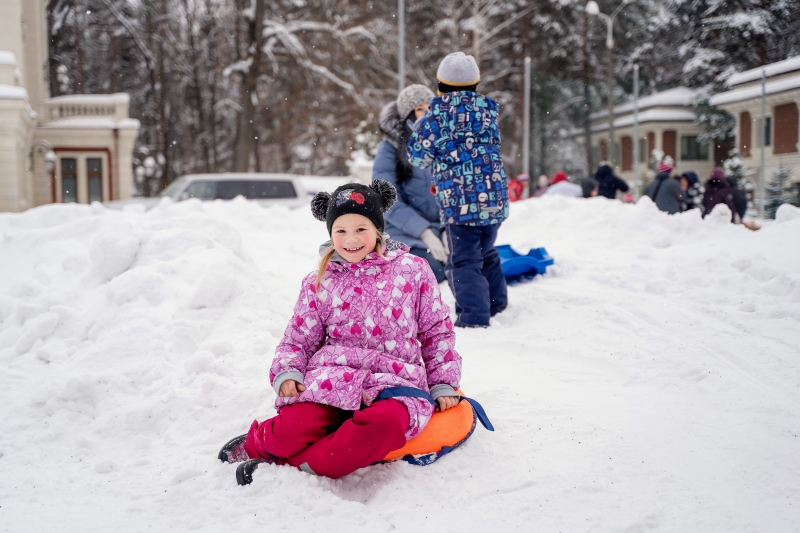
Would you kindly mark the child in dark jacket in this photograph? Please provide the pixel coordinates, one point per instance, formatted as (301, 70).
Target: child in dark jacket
(719, 192)
(608, 182)
(460, 138)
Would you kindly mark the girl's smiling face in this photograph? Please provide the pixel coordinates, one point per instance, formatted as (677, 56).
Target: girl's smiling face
(354, 236)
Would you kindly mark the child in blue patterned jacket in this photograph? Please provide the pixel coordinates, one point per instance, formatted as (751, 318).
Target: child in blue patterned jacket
(460, 138)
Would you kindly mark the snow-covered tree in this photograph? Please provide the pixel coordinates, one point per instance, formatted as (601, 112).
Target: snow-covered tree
(705, 41)
(744, 176)
(781, 190)
(288, 91)
(718, 125)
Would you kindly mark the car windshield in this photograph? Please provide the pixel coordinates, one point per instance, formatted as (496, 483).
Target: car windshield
(173, 187)
(255, 190)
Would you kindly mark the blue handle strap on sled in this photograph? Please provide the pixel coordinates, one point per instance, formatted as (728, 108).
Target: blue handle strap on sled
(395, 392)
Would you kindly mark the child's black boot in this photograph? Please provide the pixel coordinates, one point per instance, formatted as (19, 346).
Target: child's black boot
(233, 451)
(244, 472)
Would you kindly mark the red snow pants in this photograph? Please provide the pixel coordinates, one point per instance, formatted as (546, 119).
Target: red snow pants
(327, 440)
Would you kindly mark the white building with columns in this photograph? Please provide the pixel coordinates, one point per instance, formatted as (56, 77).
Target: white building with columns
(66, 149)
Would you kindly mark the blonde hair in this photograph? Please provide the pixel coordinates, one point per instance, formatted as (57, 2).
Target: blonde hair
(326, 258)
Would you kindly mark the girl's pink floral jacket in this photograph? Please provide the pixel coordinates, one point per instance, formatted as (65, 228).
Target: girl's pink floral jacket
(374, 324)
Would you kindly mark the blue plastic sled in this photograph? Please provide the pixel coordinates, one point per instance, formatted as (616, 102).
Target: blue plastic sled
(518, 267)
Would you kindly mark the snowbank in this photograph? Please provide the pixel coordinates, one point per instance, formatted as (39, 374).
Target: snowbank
(648, 382)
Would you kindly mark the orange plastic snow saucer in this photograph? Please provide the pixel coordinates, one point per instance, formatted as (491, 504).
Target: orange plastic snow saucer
(446, 431)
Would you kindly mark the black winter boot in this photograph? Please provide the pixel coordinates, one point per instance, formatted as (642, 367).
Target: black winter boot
(233, 451)
(244, 472)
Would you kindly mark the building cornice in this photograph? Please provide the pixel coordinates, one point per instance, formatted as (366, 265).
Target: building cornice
(747, 93)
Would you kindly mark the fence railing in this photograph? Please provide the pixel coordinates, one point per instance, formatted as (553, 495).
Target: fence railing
(111, 106)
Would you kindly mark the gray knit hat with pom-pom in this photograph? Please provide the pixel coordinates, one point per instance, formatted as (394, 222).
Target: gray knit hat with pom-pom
(411, 97)
(371, 201)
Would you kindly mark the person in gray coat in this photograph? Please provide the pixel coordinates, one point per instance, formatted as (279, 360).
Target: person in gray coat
(665, 191)
(414, 219)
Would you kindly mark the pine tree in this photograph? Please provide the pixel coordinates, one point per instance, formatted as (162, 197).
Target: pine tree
(718, 125)
(780, 191)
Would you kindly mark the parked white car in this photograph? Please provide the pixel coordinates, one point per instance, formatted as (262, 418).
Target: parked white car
(265, 189)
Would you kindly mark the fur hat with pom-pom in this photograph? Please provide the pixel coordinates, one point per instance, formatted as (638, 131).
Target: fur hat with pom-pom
(370, 201)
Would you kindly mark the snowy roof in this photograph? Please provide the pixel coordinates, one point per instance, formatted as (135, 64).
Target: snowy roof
(116, 98)
(679, 96)
(12, 92)
(92, 123)
(746, 93)
(653, 115)
(781, 67)
(7, 58)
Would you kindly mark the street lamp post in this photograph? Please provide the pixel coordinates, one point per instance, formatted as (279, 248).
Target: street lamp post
(593, 9)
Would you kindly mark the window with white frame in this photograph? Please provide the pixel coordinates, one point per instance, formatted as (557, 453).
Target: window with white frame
(767, 133)
(69, 180)
(94, 175)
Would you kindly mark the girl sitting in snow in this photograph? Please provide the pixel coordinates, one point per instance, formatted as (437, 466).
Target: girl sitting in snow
(369, 319)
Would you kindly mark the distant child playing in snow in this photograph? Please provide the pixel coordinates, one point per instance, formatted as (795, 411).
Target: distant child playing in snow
(371, 318)
(460, 138)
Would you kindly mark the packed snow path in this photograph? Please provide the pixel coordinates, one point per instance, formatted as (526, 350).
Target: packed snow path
(649, 382)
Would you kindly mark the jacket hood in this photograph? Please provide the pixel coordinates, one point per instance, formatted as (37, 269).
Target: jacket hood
(662, 175)
(479, 122)
(692, 177)
(390, 124)
(604, 173)
(717, 174)
(715, 184)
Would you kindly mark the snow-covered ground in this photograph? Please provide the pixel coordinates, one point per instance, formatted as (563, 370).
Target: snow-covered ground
(649, 382)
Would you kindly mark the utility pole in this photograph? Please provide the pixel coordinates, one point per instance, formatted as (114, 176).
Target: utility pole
(636, 180)
(587, 97)
(401, 46)
(536, 167)
(610, 85)
(526, 120)
(763, 178)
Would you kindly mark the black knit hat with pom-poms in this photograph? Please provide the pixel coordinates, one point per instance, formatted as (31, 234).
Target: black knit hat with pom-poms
(370, 201)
